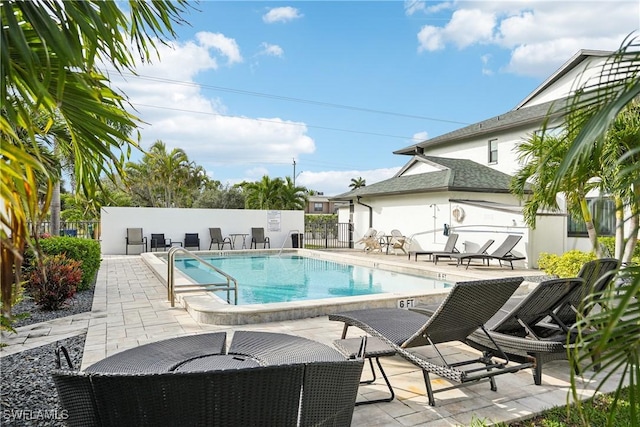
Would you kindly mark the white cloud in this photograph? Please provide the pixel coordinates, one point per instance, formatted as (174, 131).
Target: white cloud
(332, 183)
(271, 50)
(281, 14)
(176, 111)
(540, 35)
(226, 46)
(420, 136)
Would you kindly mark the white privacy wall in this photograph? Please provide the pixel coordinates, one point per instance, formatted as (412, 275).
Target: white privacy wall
(174, 223)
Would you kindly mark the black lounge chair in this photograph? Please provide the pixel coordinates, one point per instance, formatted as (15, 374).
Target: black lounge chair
(257, 236)
(191, 240)
(481, 250)
(502, 254)
(465, 309)
(522, 335)
(216, 237)
(135, 238)
(541, 324)
(449, 248)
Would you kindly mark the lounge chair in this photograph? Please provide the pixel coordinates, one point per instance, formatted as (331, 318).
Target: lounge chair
(540, 325)
(502, 254)
(216, 237)
(191, 240)
(257, 236)
(135, 238)
(481, 250)
(465, 309)
(449, 247)
(158, 241)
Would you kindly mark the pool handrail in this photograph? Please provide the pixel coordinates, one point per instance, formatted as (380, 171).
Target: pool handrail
(170, 276)
(284, 242)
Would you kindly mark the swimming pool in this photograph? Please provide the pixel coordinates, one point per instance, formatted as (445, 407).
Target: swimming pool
(206, 307)
(277, 278)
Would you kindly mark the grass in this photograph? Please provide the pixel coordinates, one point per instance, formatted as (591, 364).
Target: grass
(596, 410)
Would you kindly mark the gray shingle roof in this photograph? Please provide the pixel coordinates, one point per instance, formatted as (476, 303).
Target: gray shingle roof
(513, 119)
(457, 175)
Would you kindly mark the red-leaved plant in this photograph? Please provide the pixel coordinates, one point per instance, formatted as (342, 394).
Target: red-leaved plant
(57, 282)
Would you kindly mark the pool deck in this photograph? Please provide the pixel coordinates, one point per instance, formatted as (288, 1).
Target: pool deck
(130, 308)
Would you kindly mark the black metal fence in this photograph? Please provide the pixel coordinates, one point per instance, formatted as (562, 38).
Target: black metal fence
(82, 229)
(328, 235)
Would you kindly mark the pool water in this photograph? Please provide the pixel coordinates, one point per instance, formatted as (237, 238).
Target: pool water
(283, 278)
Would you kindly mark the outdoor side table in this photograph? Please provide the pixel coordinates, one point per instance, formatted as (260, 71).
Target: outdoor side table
(244, 239)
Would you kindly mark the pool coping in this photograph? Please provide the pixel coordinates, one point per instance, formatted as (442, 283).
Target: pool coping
(207, 308)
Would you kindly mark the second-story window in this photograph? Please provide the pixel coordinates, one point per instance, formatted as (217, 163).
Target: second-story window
(318, 207)
(493, 151)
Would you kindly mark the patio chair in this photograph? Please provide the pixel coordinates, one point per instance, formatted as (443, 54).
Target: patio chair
(465, 309)
(191, 240)
(257, 236)
(158, 241)
(216, 237)
(481, 250)
(398, 241)
(135, 237)
(449, 247)
(371, 232)
(539, 325)
(522, 335)
(502, 254)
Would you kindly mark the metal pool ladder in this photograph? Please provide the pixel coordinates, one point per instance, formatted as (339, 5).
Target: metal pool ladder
(208, 286)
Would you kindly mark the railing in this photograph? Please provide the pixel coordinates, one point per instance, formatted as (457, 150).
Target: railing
(296, 244)
(82, 229)
(207, 286)
(323, 236)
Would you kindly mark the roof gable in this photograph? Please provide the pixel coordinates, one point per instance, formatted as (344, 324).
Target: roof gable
(460, 175)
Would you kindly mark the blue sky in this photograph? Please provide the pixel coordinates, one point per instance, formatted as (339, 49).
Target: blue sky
(249, 86)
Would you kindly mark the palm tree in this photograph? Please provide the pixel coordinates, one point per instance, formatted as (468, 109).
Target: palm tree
(49, 53)
(357, 183)
(614, 333)
(263, 194)
(541, 156)
(293, 197)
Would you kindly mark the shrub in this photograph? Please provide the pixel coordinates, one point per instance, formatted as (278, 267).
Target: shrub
(565, 265)
(610, 243)
(58, 282)
(85, 250)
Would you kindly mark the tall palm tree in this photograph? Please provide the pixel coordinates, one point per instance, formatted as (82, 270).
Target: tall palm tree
(49, 50)
(357, 183)
(292, 197)
(615, 344)
(263, 194)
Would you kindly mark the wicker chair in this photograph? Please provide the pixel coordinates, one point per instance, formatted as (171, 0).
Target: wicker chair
(466, 308)
(519, 332)
(186, 386)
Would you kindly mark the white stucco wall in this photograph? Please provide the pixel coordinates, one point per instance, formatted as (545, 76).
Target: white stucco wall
(422, 217)
(174, 223)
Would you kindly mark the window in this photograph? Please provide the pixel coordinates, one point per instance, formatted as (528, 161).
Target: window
(604, 219)
(318, 207)
(493, 151)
